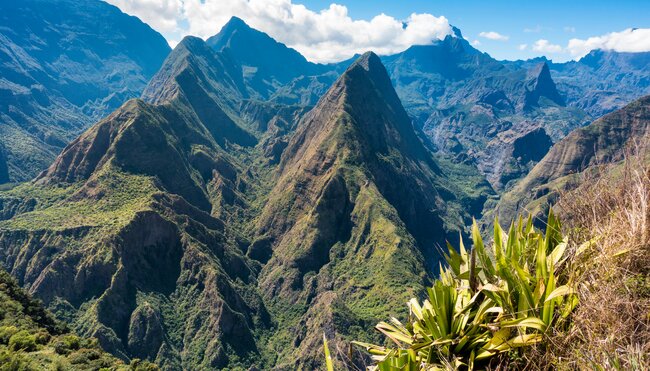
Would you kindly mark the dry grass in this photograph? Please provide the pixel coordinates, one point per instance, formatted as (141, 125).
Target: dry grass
(611, 327)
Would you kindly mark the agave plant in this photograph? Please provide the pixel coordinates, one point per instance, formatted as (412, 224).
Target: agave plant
(486, 302)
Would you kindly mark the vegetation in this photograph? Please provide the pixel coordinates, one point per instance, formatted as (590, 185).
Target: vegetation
(515, 304)
(31, 339)
(611, 326)
(485, 303)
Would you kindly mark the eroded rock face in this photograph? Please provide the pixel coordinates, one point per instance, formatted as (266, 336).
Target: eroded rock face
(532, 147)
(145, 332)
(541, 85)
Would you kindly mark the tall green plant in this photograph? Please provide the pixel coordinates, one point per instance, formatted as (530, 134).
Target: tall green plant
(486, 302)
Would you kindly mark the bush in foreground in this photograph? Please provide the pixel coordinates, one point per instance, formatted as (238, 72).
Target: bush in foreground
(485, 303)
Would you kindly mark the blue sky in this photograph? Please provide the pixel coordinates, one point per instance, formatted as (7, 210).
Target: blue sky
(560, 30)
(524, 22)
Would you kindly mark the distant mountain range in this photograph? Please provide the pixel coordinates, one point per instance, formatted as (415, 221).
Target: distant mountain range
(249, 200)
(64, 65)
(469, 106)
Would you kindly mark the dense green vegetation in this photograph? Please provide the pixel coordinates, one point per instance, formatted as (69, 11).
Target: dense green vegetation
(31, 339)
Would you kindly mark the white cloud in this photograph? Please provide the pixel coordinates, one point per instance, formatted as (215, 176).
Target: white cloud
(545, 46)
(494, 36)
(162, 15)
(629, 40)
(476, 43)
(522, 46)
(324, 36)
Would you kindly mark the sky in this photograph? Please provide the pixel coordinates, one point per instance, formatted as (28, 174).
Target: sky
(330, 31)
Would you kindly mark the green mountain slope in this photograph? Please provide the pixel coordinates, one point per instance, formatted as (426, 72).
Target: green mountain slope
(126, 235)
(31, 339)
(357, 211)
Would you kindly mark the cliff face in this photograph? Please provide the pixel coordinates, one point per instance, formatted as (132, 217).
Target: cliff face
(540, 86)
(602, 142)
(44, 340)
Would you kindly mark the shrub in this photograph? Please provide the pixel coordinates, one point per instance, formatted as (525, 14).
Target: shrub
(485, 302)
(7, 332)
(72, 342)
(10, 361)
(22, 340)
(84, 356)
(42, 337)
(140, 365)
(61, 348)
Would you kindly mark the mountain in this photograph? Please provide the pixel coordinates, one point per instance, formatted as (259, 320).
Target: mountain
(479, 110)
(269, 66)
(605, 141)
(498, 116)
(601, 81)
(136, 216)
(63, 66)
(358, 210)
(164, 229)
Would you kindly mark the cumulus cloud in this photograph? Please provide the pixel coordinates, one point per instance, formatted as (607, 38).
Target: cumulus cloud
(629, 40)
(325, 36)
(491, 35)
(476, 43)
(545, 46)
(162, 15)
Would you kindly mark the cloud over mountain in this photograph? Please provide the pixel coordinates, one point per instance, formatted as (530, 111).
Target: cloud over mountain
(325, 36)
(628, 40)
(544, 46)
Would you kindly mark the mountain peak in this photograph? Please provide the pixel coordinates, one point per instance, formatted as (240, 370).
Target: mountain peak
(191, 43)
(235, 24)
(541, 84)
(234, 20)
(270, 59)
(368, 60)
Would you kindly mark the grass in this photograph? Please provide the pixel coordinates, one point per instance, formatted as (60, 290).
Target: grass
(611, 327)
(118, 196)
